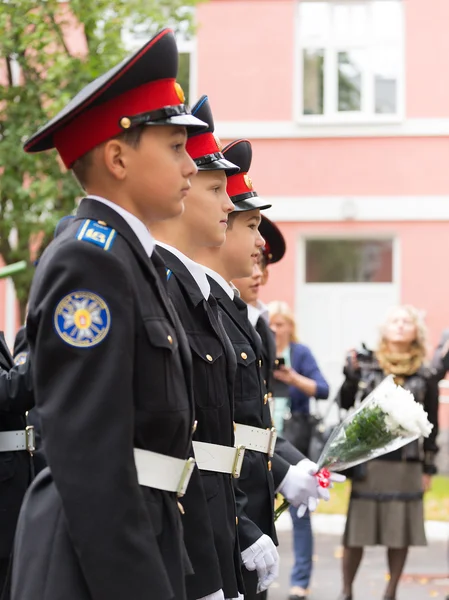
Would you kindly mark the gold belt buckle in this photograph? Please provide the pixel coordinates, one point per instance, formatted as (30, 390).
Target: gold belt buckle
(272, 441)
(30, 439)
(238, 461)
(185, 477)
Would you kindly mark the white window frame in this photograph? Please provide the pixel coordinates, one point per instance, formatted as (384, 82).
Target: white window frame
(331, 116)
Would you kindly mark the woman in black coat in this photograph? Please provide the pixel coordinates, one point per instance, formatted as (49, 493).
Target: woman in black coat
(386, 506)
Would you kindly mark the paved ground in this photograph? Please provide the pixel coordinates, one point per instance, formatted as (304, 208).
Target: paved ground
(425, 574)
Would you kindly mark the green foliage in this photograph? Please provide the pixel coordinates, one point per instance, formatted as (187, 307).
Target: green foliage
(38, 36)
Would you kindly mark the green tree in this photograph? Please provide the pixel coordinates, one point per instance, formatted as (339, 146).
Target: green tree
(49, 51)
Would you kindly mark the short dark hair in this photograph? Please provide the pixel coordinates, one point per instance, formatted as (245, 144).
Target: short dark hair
(82, 165)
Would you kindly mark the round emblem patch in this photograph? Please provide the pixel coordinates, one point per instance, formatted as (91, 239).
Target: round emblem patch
(82, 319)
(180, 92)
(20, 358)
(248, 181)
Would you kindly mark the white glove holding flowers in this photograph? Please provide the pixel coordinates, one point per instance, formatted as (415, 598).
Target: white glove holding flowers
(302, 489)
(262, 557)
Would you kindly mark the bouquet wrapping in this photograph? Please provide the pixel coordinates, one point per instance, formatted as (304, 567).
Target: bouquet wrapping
(386, 420)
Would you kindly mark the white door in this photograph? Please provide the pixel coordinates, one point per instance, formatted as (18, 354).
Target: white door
(336, 316)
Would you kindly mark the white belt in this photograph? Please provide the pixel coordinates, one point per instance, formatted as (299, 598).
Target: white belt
(23, 439)
(255, 438)
(163, 472)
(220, 459)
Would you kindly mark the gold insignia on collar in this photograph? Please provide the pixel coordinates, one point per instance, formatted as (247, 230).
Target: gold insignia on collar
(180, 92)
(248, 181)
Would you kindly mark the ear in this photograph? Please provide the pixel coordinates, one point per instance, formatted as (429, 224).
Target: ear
(115, 158)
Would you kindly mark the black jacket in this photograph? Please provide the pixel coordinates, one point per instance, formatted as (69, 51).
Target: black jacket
(20, 353)
(87, 530)
(259, 476)
(214, 366)
(268, 350)
(16, 397)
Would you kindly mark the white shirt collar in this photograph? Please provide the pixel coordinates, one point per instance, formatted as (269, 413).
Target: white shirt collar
(195, 269)
(255, 312)
(228, 288)
(139, 228)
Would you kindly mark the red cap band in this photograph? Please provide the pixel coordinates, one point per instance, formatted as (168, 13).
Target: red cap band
(202, 145)
(239, 184)
(100, 123)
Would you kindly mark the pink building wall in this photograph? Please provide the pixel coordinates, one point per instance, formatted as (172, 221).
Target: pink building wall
(258, 37)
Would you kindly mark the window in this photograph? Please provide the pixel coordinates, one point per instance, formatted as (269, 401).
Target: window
(350, 60)
(349, 261)
(135, 36)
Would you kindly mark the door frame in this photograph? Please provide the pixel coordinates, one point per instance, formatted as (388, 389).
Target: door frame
(316, 234)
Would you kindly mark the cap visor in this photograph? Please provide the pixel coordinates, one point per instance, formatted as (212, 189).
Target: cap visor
(221, 164)
(190, 122)
(251, 204)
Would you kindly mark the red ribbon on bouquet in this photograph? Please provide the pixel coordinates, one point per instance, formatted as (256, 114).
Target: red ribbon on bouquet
(323, 477)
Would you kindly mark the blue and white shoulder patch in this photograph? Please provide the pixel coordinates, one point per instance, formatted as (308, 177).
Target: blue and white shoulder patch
(96, 232)
(82, 319)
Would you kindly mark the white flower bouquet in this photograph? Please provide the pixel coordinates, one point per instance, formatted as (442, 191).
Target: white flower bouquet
(386, 420)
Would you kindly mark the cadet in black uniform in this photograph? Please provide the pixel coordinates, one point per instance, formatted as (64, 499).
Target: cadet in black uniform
(16, 447)
(111, 364)
(263, 470)
(203, 223)
(249, 288)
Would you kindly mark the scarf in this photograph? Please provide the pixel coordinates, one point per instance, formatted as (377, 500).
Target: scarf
(400, 364)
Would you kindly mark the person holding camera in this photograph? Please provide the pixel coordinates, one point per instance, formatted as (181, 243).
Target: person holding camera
(386, 505)
(297, 378)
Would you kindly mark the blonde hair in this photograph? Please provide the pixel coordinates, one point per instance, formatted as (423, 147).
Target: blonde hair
(419, 344)
(282, 309)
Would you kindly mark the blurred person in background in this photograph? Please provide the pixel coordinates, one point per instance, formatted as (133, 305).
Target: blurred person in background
(300, 379)
(386, 505)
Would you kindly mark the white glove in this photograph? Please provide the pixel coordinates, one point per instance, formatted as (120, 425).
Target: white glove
(263, 557)
(219, 595)
(302, 489)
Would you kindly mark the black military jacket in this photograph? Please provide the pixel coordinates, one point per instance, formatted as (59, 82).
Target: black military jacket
(255, 494)
(283, 447)
(16, 397)
(214, 367)
(87, 529)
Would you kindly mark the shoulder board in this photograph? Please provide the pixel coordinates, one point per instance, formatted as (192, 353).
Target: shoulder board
(96, 232)
(168, 272)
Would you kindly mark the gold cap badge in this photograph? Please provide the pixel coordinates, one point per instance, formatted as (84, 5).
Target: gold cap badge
(180, 92)
(247, 179)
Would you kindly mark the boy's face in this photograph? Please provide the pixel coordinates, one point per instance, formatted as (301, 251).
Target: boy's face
(249, 286)
(207, 207)
(158, 173)
(243, 243)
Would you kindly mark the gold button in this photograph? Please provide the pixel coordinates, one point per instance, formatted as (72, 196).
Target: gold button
(265, 399)
(170, 339)
(125, 122)
(236, 520)
(244, 355)
(270, 395)
(209, 357)
(195, 425)
(269, 465)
